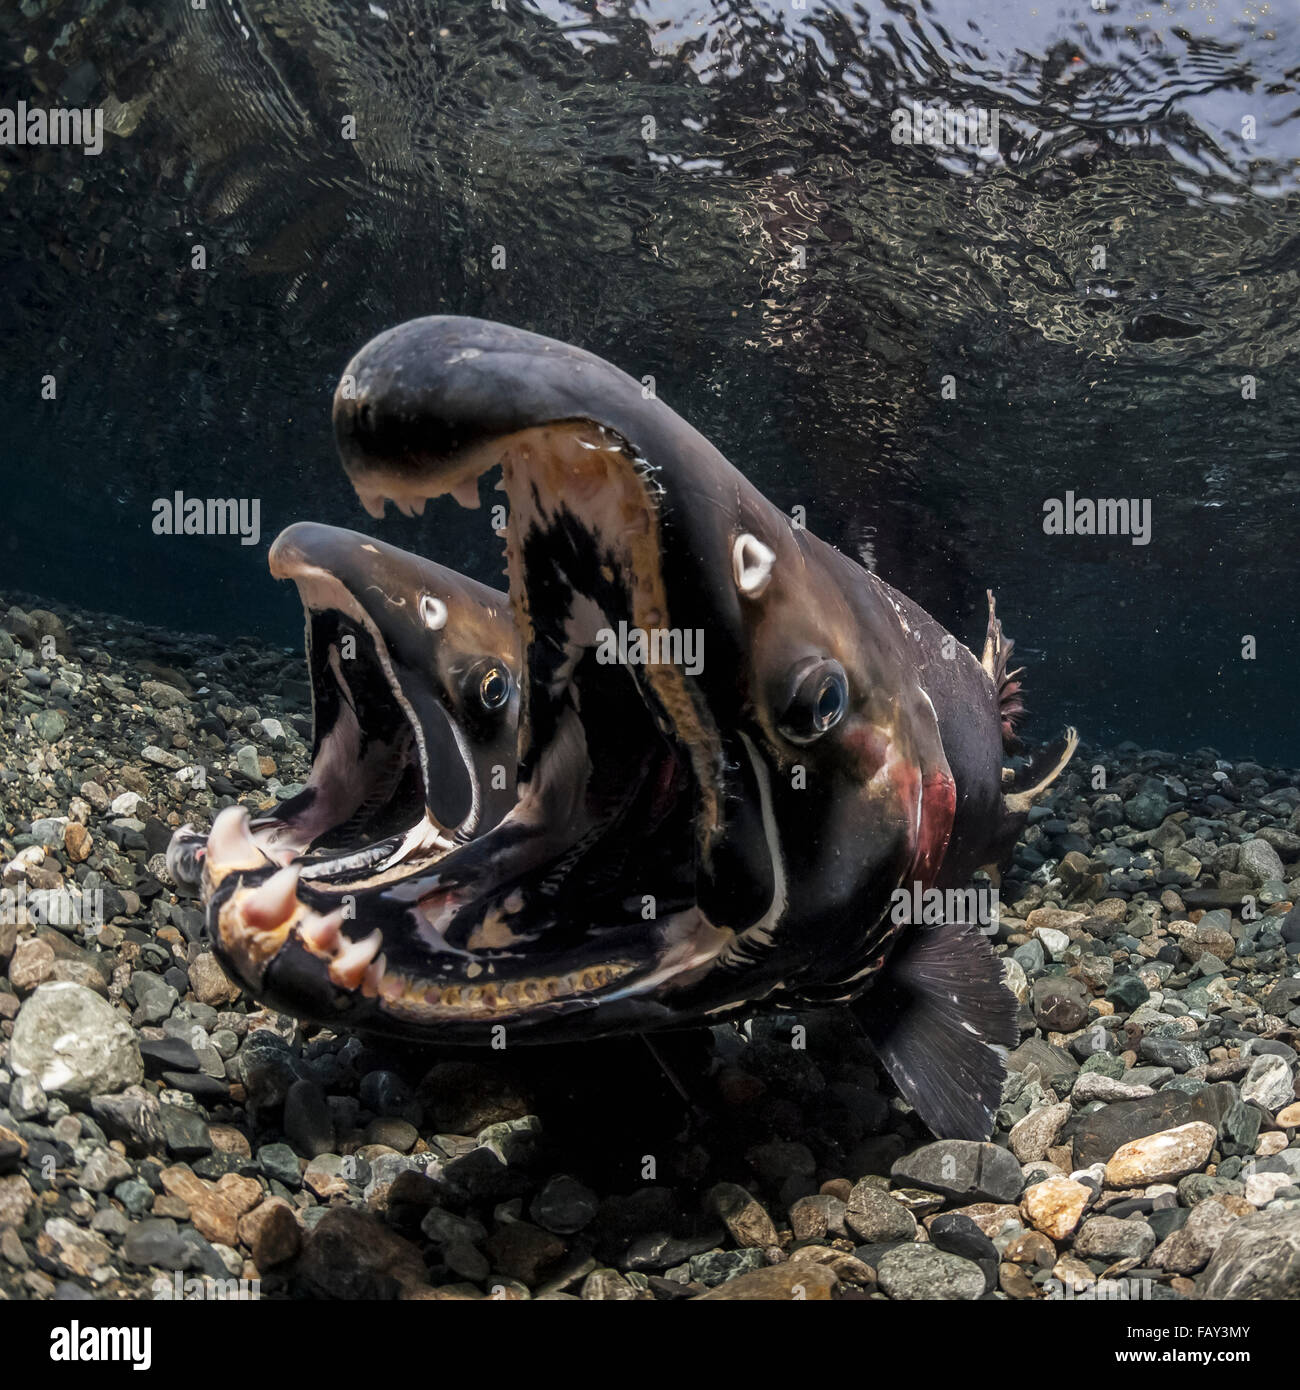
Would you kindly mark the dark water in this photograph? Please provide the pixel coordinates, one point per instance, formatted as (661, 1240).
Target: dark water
(706, 193)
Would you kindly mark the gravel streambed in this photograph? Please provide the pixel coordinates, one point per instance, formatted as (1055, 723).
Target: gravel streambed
(163, 1135)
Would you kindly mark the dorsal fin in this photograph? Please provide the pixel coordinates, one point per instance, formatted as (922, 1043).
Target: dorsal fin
(996, 662)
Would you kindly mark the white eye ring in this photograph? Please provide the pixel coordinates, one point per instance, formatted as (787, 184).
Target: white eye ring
(751, 563)
(433, 612)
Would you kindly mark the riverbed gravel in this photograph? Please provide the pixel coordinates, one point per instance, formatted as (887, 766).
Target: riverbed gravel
(163, 1135)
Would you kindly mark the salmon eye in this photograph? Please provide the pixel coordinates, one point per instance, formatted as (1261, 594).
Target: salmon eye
(494, 688)
(831, 700)
(820, 699)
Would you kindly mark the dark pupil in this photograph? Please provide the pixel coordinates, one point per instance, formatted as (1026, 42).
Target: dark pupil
(493, 689)
(828, 703)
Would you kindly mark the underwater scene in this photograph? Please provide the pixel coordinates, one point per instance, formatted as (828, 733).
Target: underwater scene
(648, 652)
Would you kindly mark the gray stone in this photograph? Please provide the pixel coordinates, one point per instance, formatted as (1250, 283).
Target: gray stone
(279, 1161)
(1259, 861)
(308, 1124)
(132, 1117)
(1268, 1083)
(103, 1169)
(1109, 1238)
(1258, 1260)
(1188, 1250)
(1099, 1134)
(156, 1242)
(135, 1196)
(50, 724)
(154, 997)
(716, 1266)
(922, 1272)
(564, 1205)
(877, 1217)
(27, 1098)
(185, 1132)
(246, 760)
(962, 1170)
(75, 1043)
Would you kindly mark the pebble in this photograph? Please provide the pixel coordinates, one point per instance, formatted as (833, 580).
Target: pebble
(80, 1252)
(15, 1198)
(103, 1169)
(308, 1125)
(922, 1272)
(1187, 1250)
(1109, 1238)
(1269, 1083)
(802, 1281)
(962, 1170)
(564, 1205)
(75, 1043)
(271, 1232)
(1093, 1086)
(1172, 1153)
(1032, 1137)
(27, 1098)
(959, 1235)
(1098, 1135)
(878, 1218)
(1257, 1260)
(184, 1131)
(1056, 1205)
(210, 983)
(157, 1242)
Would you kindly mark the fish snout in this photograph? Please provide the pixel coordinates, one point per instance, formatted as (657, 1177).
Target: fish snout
(185, 857)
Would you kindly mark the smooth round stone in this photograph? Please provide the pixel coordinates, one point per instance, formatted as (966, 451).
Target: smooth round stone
(392, 1132)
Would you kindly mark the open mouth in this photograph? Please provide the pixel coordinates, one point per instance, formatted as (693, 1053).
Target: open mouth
(363, 807)
(587, 892)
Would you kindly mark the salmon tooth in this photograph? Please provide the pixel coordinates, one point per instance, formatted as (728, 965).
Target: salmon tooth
(321, 933)
(231, 844)
(373, 502)
(348, 968)
(274, 902)
(466, 493)
(373, 977)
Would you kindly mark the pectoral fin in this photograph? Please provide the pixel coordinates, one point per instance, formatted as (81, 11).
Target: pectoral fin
(936, 1017)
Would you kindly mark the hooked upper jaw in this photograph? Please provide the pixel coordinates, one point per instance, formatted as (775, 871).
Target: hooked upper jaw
(415, 698)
